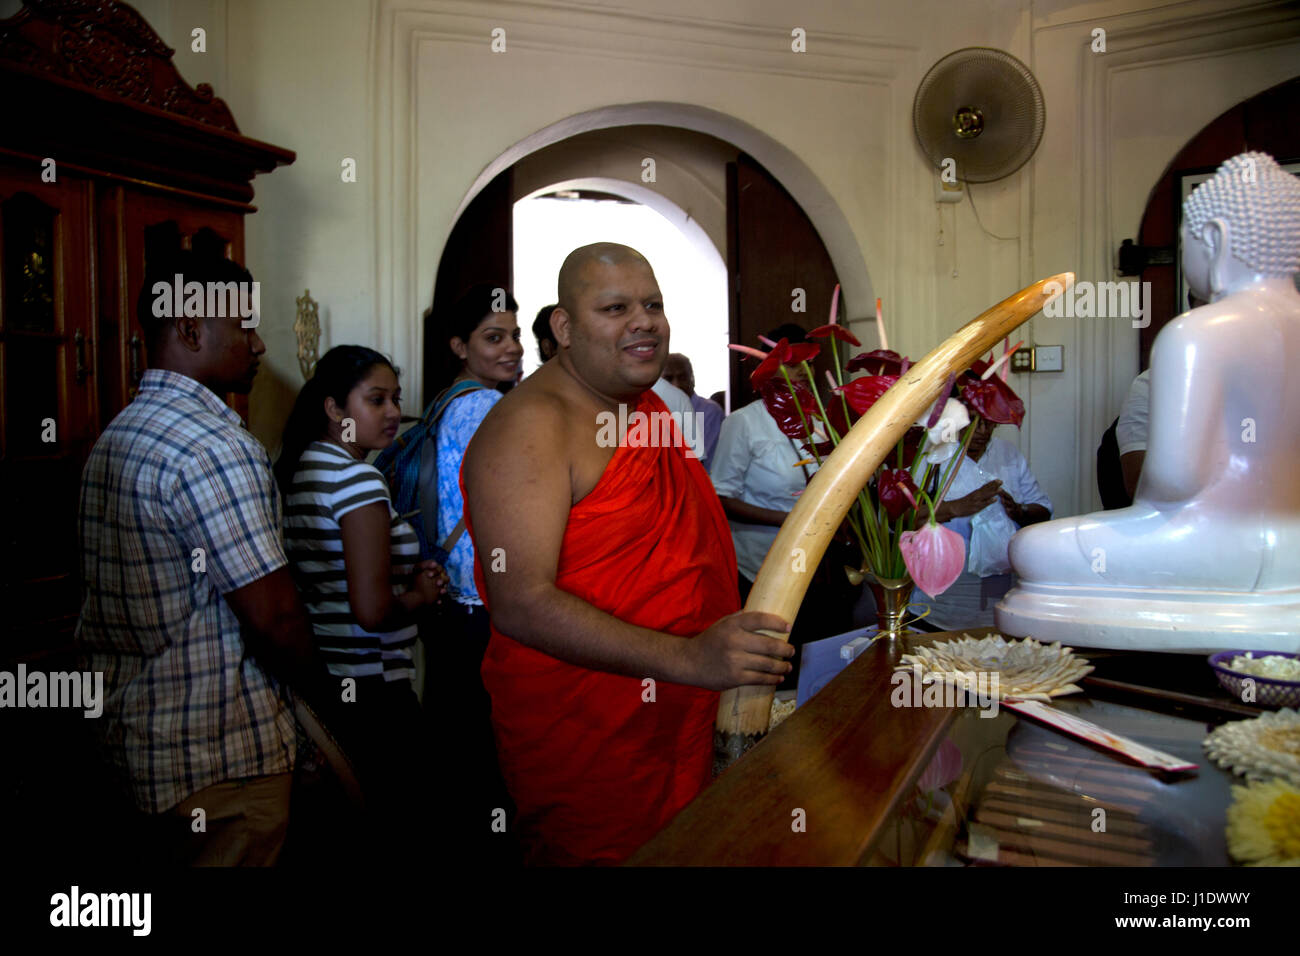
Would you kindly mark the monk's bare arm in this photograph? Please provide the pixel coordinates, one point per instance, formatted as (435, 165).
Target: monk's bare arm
(517, 479)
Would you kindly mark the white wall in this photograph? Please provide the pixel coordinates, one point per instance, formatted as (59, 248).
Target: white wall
(411, 89)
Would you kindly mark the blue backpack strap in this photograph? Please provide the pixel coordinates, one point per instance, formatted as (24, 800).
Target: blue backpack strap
(445, 398)
(400, 464)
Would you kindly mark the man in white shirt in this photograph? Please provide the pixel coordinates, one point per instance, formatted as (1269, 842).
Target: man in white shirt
(1131, 430)
(755, 473)
(679, 403)
(678, 371)
(993, 475)
(758, 475)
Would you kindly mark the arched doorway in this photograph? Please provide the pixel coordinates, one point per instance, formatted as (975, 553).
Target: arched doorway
(691, 270)
(779, 225)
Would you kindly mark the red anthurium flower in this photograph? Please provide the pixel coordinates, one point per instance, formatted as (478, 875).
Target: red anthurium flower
(891, 487)
(911, 443)
(934, 556)
(783, 353)
(802, 352)
(863, 392)
(767, 368)
(780, 405)
(993, 399)
(822, 448)
(877, 362)
(838, 331)
(839, 419)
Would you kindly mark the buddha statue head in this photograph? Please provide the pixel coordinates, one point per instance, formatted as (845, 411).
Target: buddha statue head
(1241, 225)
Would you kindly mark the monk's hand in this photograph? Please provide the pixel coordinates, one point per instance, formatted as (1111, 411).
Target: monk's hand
(731, 653)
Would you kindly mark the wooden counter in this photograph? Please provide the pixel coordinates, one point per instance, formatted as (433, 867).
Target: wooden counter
(845, 758)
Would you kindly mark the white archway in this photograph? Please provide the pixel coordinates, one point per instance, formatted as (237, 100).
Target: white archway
(691, 270)
(782, 163)
(688, 227)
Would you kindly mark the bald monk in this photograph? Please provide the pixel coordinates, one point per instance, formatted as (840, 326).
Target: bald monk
(609, 573)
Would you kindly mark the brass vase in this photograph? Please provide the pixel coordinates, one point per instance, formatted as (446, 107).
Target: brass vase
(892, 597)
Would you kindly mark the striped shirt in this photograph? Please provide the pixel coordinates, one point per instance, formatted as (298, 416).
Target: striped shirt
(178, 507)
(328, 484)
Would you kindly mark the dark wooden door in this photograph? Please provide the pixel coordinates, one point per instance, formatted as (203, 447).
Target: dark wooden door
(479, 249)
(772, 250)
(47, 401)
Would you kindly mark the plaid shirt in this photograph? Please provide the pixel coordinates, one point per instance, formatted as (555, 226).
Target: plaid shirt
(186, 706)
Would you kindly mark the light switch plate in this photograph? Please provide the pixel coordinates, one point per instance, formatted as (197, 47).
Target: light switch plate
(1049, 358)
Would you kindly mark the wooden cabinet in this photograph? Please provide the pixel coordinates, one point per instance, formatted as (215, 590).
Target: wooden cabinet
(107, 156)
(137, 225)
(48, 414)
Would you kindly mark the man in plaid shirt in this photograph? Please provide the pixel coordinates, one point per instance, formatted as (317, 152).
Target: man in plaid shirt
(190, 609)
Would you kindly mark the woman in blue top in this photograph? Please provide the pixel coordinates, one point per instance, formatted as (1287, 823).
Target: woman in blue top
(477, 340)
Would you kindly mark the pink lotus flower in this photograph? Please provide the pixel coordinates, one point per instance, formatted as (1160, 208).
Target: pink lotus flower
(934, 556)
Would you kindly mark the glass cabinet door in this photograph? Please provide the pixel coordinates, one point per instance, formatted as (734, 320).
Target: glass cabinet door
(47, 400)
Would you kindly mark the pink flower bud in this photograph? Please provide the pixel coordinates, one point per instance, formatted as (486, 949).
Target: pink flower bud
(934, 556)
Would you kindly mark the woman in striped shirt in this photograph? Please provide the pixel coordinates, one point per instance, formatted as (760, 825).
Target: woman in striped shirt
(356, 562)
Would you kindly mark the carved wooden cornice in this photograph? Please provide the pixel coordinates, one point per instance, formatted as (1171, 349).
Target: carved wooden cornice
(90, 84)
(107, 46)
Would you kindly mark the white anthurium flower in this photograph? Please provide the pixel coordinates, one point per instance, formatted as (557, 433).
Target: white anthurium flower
(944, 439)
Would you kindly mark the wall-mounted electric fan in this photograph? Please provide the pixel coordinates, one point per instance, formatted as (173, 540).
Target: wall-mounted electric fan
(982, 108)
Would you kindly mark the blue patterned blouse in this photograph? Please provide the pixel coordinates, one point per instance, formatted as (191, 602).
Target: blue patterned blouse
(457, 427)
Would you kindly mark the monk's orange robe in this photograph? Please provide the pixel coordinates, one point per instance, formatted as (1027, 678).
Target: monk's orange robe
(594, 769)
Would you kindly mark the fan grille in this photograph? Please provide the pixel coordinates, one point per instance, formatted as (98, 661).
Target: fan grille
(1003, 90)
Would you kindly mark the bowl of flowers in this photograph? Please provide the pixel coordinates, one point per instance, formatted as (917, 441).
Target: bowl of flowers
(1274, 677)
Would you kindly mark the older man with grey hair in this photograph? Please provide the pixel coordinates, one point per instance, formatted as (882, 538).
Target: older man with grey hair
(678, 372)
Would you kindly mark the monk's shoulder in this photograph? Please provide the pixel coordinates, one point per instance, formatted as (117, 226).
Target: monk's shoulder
(532, 412)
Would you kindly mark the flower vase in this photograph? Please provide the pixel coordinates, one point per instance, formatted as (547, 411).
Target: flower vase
(892, 597)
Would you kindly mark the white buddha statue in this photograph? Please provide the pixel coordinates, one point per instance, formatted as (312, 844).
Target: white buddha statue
(1208, 556)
